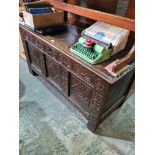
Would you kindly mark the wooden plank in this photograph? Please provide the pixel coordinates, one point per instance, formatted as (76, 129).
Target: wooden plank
(96, 15)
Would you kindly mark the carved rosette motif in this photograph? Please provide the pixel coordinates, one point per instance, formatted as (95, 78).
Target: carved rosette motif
(100, 93)
(53, 71)
(80, 92)
(66, 62)
(57, 55)
(83, 73)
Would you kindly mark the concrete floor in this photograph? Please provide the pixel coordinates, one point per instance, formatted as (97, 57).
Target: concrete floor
(49, 125)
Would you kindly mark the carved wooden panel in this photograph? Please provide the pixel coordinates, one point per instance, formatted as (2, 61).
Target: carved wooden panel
(57, 55)
(64, 80)
(35, 56)
(57, 74)
(66, 62)
(53, 70)
(83, 73)
(80, 92)
(73, 78)
(38, 43)
(42, 63)
(99, 96)
(100, 85)
(34, 41)
(48, 49)
(52, 52)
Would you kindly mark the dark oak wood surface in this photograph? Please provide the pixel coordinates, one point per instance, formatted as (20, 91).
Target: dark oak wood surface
(64, 41)
(88, 87)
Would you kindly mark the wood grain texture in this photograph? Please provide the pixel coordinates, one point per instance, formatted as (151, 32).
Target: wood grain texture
(80, 92)
(119, 64)
(100, 92)
(96, 15)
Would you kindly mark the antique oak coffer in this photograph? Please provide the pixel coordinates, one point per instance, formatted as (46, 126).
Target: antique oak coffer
(87, 87)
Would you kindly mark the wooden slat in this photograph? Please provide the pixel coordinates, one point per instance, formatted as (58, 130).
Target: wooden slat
(125, 60)
(96, 15)
(119, 64)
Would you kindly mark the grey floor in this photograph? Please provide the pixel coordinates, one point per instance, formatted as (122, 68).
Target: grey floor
(49, 125)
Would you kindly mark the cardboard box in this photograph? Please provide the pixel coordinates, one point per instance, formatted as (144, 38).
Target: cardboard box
(43, 20)
(21, 4)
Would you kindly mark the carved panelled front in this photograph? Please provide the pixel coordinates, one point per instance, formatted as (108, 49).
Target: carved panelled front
(58, 56)
(33, 50)
(83, 73)
(57, 74)
(86, 89)
(35, 56)
(80, 92)
(53, 71)
(73, 79)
